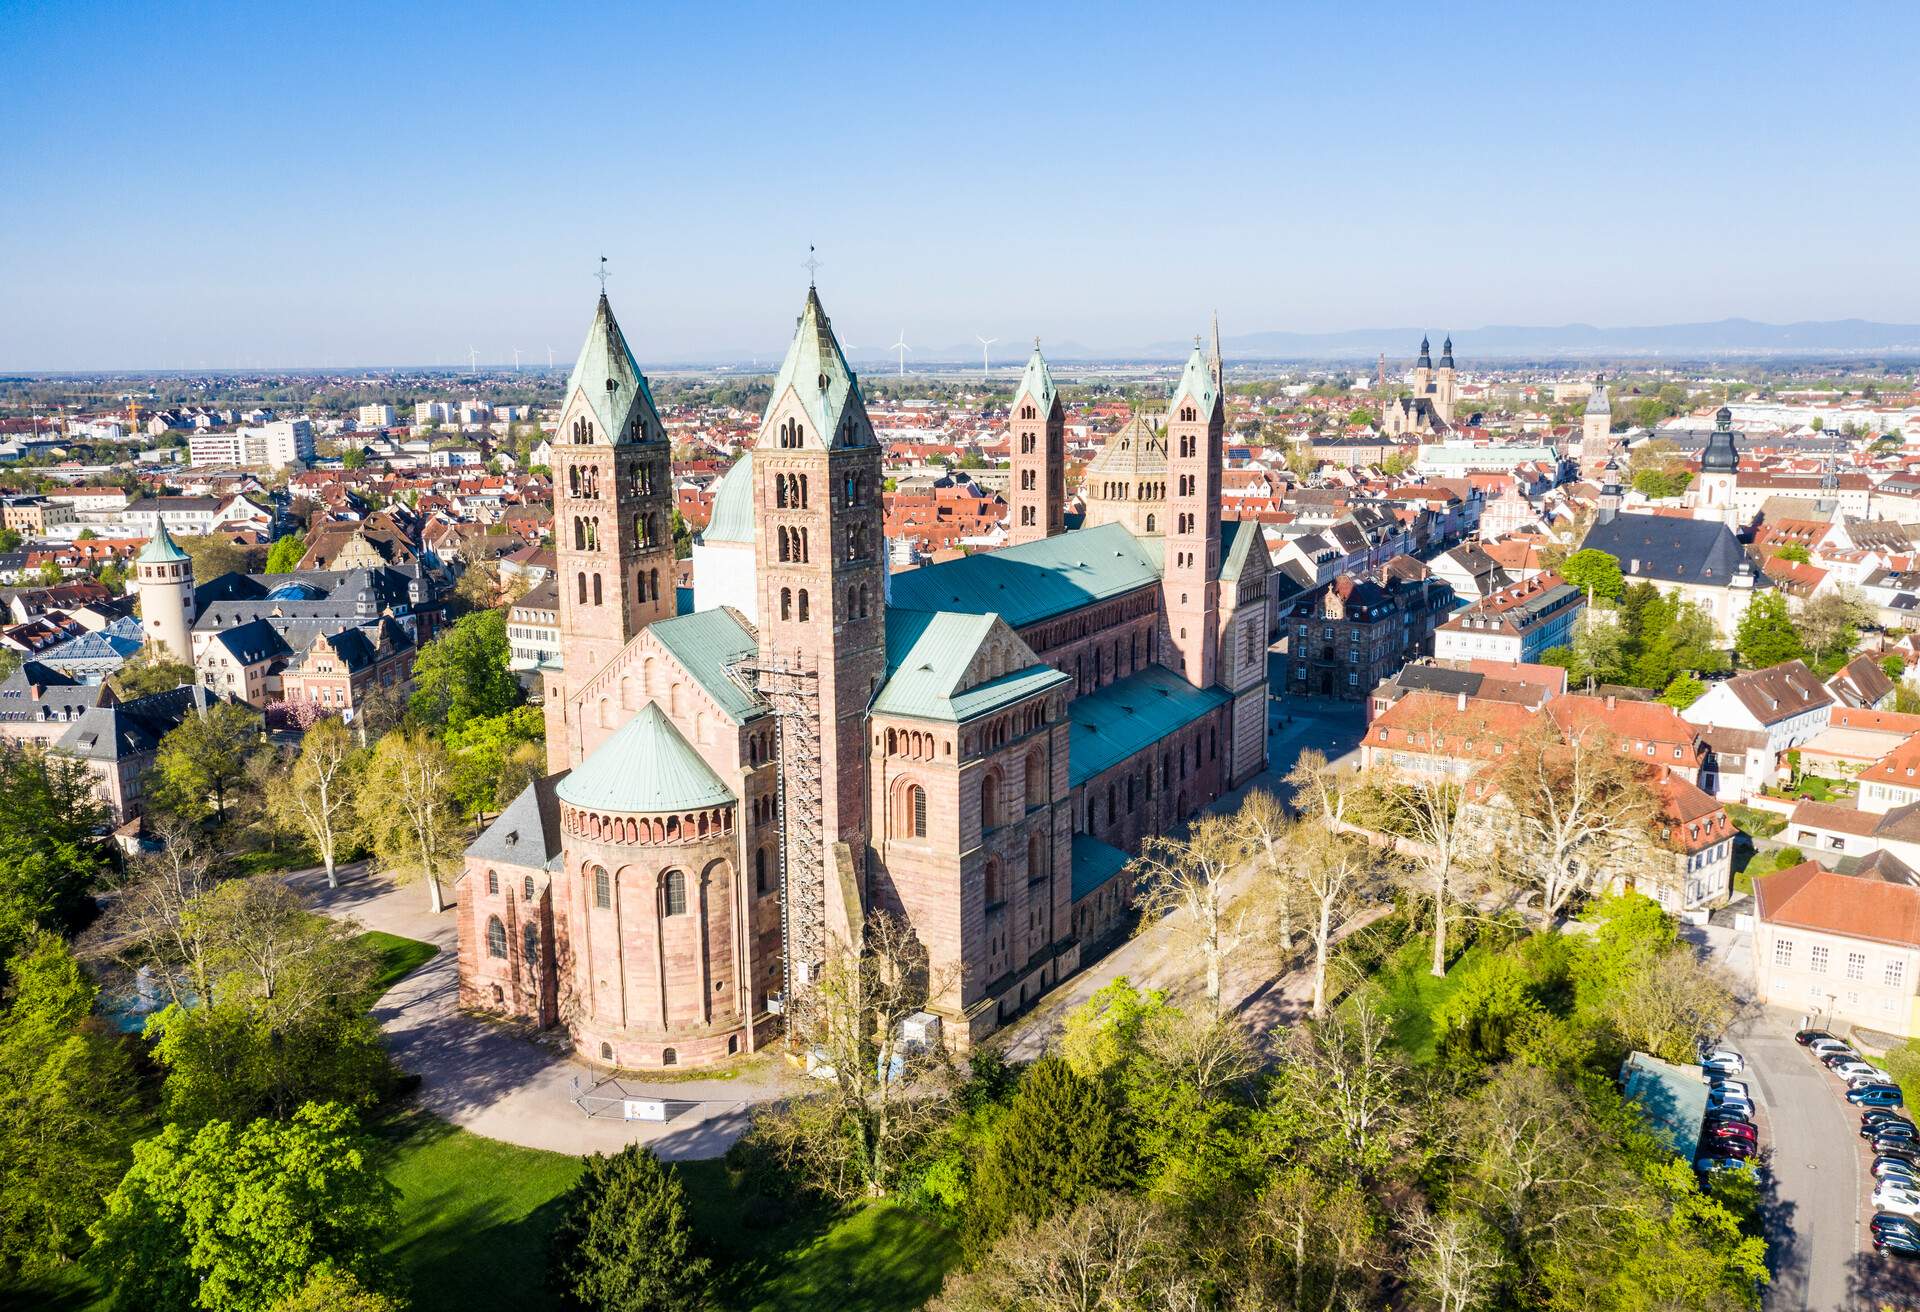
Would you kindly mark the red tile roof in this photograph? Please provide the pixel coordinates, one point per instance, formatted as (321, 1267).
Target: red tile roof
(1808, 897)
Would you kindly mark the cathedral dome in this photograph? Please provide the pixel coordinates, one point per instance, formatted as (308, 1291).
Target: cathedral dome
(646, 768)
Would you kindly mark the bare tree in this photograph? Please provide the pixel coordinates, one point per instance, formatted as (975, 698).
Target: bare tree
(407, 805)
(1569, 813)
(1210, 1054)
(261, 942)
(1099, 1257)
(318, 797)
(886, 1091)
(1314, 1235)
(1346, 1078)
(1453, 1261)
(1266, 828)
(1424, 809)
(151, 913)
(1187, 877)
(1319, 789)
(1335, 875)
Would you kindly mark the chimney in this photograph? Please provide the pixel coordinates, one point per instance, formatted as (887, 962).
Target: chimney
(1611, 699)
(1461, 701)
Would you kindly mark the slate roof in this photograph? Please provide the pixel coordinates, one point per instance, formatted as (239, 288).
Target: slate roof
(1669, 550)
(647, 767)
(705, 643)
(1094, 863)
(928, 655)
(1122, 719)
(253, 642)
(1860, 682)
(135, 728)
(527, 833)
(36, 692)
(1779, 692)
(606, 371)
(732, 518)
(1035, 580)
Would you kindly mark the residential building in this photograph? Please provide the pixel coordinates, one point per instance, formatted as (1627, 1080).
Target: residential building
(1517, 623)
(1784, 702)
(1840, 950)
(277, 445)
(1356, 632)
(533, 627)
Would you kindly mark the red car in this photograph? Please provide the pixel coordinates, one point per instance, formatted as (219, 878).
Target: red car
(1732, 1133)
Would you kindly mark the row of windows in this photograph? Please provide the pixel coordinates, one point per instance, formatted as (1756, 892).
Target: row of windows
(497, 941)
(673, 891)
(1893, 971)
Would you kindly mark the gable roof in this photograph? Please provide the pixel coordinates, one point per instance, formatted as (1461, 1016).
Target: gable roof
(1695, 551)
(607, 373)
(929, 654)
(1120, 720)
(1035, 580)
(1860, 682)
(647, 767)
(706, 643)
(527, 833)
(1807, 897)
(1778, 692)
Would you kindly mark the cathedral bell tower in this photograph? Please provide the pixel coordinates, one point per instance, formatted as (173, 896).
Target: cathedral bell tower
(817, 558)
(1443, 381)
(1037, 427)
(612, 498)
(1196, 422)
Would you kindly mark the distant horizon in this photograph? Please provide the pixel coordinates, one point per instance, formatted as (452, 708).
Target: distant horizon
(404, 187)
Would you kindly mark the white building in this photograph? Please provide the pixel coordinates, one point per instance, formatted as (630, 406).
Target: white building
(377, 417)
(1785, 703)
(1840, 949)
(432, 412)
(273, 446)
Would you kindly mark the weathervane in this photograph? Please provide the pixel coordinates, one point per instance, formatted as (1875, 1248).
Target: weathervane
(812, 264)
(603, 275)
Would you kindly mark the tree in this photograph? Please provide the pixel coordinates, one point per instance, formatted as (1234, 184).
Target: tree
(1425, 809)
(494, 757)
(1342, 1084)
(1301, 461)
(150, 914)
(285, 555)
(318, 799)
(331, 1290)
(406, 804)
(1794, 551)
(624, 1242)
(1335, 875)
(1188, 877)
(1568, 814)
(203, 764)
(150, 670)
(1104, 1253)
(463, 674)
(10, 539)
(1397, 464)
(1060, 1142)
(1451, 1260)
(1683, 691)
(213, 556)
(1598, 654)
(238, 1218)
(1830, 622)
(49, 858)
(1362, 418)
(683, 535)
(67, 1097)
(1766, 636)
(1594, 571)
(1895, 667)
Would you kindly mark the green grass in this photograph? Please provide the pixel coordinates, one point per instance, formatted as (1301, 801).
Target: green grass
(1754, 822)
(1410, 994)
(476, 1215)
(399, 957)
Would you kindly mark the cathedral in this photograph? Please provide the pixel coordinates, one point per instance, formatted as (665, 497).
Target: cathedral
(977, 746)
(1428, 413)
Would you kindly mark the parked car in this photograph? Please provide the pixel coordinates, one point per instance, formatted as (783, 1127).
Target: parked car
(1889, 1124)
(1732, 1130)
(1896, 1145)
(1846, 1070)
(1805, 1037)
(1896, 1168)
(1821, 1047)
(1891, 1197)
(1729, 1088)
(1901, 1243)
(1840, 1057)
(1733, 1102)
(1722, 1060)
(1876, 1095)
(1894, 1221)
(1709, 1162)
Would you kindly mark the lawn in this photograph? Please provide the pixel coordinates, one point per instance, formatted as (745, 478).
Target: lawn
(1410, 993)
(399, 957)
(475, 1215)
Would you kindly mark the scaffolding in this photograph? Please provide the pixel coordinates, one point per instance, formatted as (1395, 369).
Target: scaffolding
(794, 694)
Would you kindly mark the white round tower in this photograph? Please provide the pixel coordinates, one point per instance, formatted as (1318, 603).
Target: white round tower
(164, 575)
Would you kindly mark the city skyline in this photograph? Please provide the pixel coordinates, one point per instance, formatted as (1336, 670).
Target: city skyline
(371, 187)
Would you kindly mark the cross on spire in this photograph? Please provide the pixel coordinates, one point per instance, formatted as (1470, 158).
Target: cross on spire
(603, 275)
(811, 265)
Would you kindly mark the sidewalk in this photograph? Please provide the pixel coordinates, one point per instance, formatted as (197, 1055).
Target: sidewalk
(505, 1084)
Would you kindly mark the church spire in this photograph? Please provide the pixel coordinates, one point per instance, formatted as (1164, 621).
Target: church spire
(1426, 354)
(1215, 360)
(1036, 435)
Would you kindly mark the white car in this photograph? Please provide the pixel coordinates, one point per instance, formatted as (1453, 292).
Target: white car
(1723, 1061)
(1897, 1173)
(1862, 1072)
(1822, 1047)
(1891, 1197)
(1739, 1106)
(1728, 1089)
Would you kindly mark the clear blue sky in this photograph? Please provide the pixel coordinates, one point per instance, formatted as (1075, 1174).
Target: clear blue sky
(191, 184)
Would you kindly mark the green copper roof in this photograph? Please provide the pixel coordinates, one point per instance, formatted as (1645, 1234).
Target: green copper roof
(928, 653)
(647, 767)
(1037, 383)
(1126, 717)
(1240, 539)
(616, 389)
(705, 643)
(1196, 381)
(1094, 863)
(162, 549)
(1034, 580)
(816, 371)
(732, 518)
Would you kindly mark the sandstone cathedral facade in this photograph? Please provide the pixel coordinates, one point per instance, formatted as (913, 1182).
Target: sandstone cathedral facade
(976, 746)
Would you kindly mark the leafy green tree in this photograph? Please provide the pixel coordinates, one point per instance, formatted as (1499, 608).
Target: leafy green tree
(151, 670)
(213, 556)
(329, 1289)
(204, 764)
(1104, 1031)
(317, 801)
(68, 1100)
(1766, 635)
(284, 556)
(86, 535)
(1061, 1141)
(50, 574)
(494, 757)
(354, 458)
(233, 1218)
(406, 805)
(10, 539)
(1796, 552)
(1591, 569)
(49, 858)
(1683, 691)
(462, 674)
(1895, 667)
(113, 577)
(624, 1242)
(682, 535)
(1397, 464)
(1363, 418)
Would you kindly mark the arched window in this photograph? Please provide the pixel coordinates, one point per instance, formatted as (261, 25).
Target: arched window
(596, 589)
(782, 539)
(1149, 523)
(493, 881)
(803, 605)
(668, 1057)
(990, 802)
(786, 603)
(760, 872)
(526, 888)
(653, 585)
(496, 938)
(606, 1052)
(602, 888)
(583, 588)
(673, 894)
(993, 882)
(1036, 858)
(916, 811)
(530, 945)
(1036, 780)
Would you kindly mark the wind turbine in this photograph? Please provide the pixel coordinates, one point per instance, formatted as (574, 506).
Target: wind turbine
(473, 357)
(549, 357)
(516, 359)
(902, 347)
(985, 342)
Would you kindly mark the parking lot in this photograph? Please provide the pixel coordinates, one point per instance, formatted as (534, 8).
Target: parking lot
(1816, 1181)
